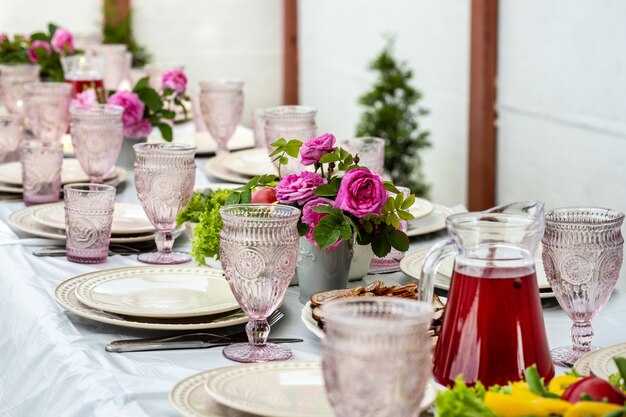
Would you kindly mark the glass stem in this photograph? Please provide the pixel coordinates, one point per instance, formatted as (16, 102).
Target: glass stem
(222, 149)
(257, 331)
(164, 242)
(582, 333)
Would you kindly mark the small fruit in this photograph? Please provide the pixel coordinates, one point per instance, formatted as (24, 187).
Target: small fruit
(265, 195)
(593, 389)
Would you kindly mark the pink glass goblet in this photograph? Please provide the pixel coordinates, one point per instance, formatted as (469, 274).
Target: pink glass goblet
(165, 174)
(582, 257)
(376, 355)
(97, 135)
(221, 104)
(259, 251)
(41, 171)
(10, 136)
(370, 150)
(13, 78)
(47, 109)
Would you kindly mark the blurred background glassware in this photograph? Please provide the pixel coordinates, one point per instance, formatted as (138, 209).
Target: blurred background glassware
(376, 355)
(583, 250)
(116, 64)
(47, 112)
(88, 218)
(258, 128)
(10, 135)
(41, 171)
(97, 135)
(13, 77)
(198, 120)
(289, 122)
(87, 41)
(391, 262)
(221, 104)
(371, 152)
(85, 72)
(156, 70)
(258, 251)
(165, 174)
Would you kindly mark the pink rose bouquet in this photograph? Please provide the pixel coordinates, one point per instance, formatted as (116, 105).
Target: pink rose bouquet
(38, 50)
(62, 41)
(340, 200)
(175, 80)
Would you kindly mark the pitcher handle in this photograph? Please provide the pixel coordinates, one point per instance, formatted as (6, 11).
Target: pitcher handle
(435, 256)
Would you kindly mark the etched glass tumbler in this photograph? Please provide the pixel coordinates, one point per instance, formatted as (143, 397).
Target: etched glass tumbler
(41, 171)
(88, 218)
(47, 110)
(221, 104)
(370, 150)
(376, 355)
(97, 135)
(13, 77)
(10, 135)
(165, 174)
(259, 250)
(391, 262)
(582, 257)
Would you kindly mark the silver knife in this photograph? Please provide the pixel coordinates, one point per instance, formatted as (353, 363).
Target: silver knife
(141, 345)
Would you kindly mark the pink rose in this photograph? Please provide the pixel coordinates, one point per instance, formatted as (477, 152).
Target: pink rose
(62, 41)
(139, 130)
(312, 150)
(133, 107)
(85, 100)
(311, 218)
(174, 79)
(41, 45)
(298, 188)
(3, 37)
(361, 193)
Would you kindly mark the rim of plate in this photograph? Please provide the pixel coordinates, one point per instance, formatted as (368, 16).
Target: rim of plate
(601, 362)
(306, 316)
(214, 168)
(229, 160)
(65, 291)
(438, 210)
(243, 138)
(84, 291)
(120, 177)
(110, 176)
(422, 208)
(582, 365)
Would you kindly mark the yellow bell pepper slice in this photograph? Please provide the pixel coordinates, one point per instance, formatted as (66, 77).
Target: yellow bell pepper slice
(521, 390)
(553, 405)
(559, 384)
(590, 409)
(511, 406)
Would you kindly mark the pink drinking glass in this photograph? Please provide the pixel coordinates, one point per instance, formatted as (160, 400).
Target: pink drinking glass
(41, 171)
(88, 218)
(221, 104)
(583, 249)
(116, 64)
(376, 355)
(390, 262)
(259, 251)
(47, 109)
(10, 136)
(13, 78)
(165, 174)
(97, 135)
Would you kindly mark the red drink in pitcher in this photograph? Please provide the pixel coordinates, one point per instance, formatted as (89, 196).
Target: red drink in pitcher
(80, 85)
(492, 328)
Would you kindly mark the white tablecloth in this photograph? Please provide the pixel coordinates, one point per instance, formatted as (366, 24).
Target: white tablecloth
(53, 363)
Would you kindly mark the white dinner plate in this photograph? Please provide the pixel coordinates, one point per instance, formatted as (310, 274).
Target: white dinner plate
(65, 296)
(159, 293)
(421, 208)
(601, 362)
(24, 221)
(583, 365)
(127, 218)
(412, 263)
(118, 177)
(430, 223)
(71, 172)
(251, 162)
(309, 322)
(215, 168)
(243, 138)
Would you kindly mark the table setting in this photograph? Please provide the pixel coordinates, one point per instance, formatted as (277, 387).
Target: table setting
(279, 272)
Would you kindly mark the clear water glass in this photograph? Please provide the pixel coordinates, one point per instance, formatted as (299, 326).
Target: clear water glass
(258, 128)
(88, 218)
(258, 251)
(13, 78)
(289, 122)
(583, 249)
(376, 355)
(221, 104)
(47, 109)
(391, 262)
(41, 171)
(117, 65)
(10, 136)
(370, 150)
(97, 135)
(165, 174)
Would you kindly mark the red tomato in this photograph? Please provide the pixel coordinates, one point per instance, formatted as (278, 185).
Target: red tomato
(596, 388)
(265, 195)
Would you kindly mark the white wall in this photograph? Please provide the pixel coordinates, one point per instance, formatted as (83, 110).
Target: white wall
(337, 41)
(562, 102)
(218, 39)
(26, 16)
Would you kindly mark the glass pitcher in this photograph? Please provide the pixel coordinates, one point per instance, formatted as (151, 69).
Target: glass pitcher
(493, 323)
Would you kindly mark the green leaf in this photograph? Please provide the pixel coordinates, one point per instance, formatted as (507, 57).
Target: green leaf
(405, 215)
(381, 245)
(390, 187)
(303, 229)
(233, 198)
(293, 148)
(168, 114)
(246, 197)
(621, 367)
(151, 98)
(399, 240)
(39, 36)
(52, 28)
(141, 84)
(397, 202)
(394, 221)
(323, 209)
(166, 131)
(368, 227)
(329, 157)
(327, 231)
(283, 160)
(327, 190)
(345, 231)
(267, 179)
(280, 142)
(408, 202)
(276, 152)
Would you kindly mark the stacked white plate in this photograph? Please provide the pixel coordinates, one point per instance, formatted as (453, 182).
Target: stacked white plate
(243, 138)
(153, 297)
(239, 167)
(600, 362)
(274, 389)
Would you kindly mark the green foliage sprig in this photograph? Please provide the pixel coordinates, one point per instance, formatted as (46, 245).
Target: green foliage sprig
(121, 32)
